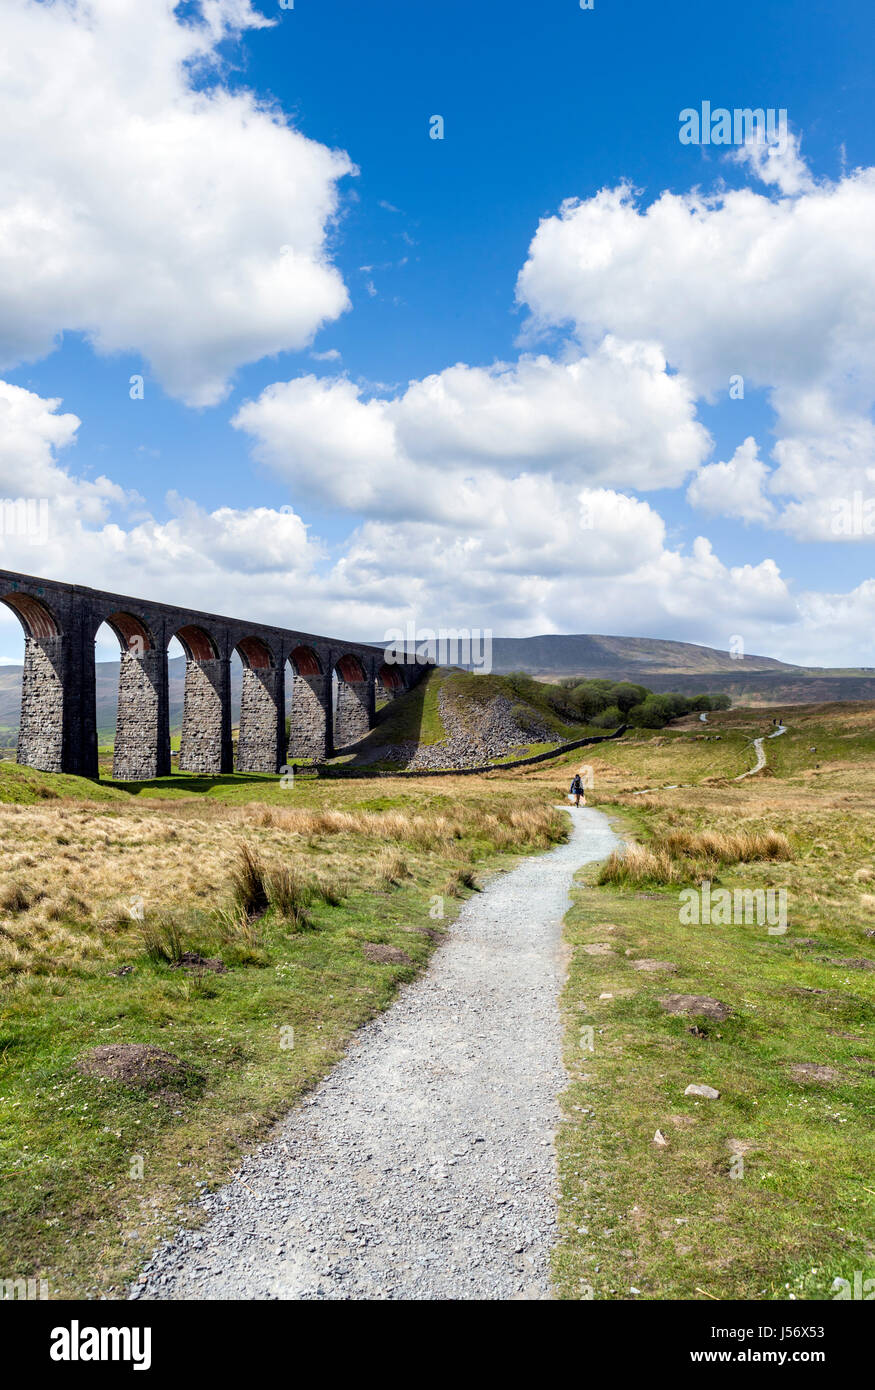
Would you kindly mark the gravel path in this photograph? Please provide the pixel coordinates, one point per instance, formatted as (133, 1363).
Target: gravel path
(761, 753)
(423, 1166)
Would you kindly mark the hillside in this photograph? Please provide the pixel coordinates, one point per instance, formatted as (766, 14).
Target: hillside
(684, 666)
(455, 718)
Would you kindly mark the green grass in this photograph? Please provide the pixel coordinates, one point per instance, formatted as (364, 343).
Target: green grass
(24, 786)
(673, 1222)
(70, 1210)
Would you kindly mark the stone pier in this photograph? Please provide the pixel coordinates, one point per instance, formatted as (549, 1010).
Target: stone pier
(356, 706)
(142, 692)
(41, 731)
(262, 726)
(203, 746)
(310, 723)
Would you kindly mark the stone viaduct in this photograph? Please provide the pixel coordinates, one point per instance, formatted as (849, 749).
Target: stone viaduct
(58, 730)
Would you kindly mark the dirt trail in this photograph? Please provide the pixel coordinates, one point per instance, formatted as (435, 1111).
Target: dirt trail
(758, 744)
(423, 1166)
(760, 764)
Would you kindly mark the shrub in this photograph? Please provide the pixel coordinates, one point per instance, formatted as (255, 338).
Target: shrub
(610, 718)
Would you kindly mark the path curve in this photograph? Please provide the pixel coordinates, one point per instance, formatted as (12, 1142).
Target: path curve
(423, 1166)
(761, 752)
(760, 764)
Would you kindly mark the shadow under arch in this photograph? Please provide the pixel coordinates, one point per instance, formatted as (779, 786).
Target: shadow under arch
(390, 679)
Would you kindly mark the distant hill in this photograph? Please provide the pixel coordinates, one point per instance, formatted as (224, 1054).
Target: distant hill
(615, 657)
(687, 667)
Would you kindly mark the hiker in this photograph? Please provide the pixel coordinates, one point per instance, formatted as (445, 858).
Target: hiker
(576, 789)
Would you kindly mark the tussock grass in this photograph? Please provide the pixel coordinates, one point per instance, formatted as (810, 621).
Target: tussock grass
(391, 868)
(290, 895)
(162, 939)
(726, 847)
(679, 856)
(249, 888)
(15, 898)
(460, 880)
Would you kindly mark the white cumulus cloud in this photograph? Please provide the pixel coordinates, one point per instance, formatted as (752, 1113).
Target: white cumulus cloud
(442, 447)
(148, 207)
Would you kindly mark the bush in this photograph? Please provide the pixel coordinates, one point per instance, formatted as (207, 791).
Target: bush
(610, 718)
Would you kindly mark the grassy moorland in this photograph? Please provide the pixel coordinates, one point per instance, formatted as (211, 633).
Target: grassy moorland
(763, 1193)
(117, 905)
(768, 1191)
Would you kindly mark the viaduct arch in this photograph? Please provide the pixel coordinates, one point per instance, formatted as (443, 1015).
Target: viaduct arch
(58, 730)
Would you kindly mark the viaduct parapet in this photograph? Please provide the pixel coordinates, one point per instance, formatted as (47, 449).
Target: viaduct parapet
(58, 729)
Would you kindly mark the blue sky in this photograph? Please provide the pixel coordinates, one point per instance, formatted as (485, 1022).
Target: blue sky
(428, 237)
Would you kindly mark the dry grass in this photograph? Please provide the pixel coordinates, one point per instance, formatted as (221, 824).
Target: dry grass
(71, 871)
(249, 891)
(640, 864)
(726, 847)
(391, 868)
(677, 856)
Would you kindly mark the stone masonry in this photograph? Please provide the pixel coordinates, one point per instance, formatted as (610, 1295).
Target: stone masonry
(356, 708)
(40, 741)
(135, 756)
(309, 727)
(58, 731)
(202, 747)
(259, 741)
